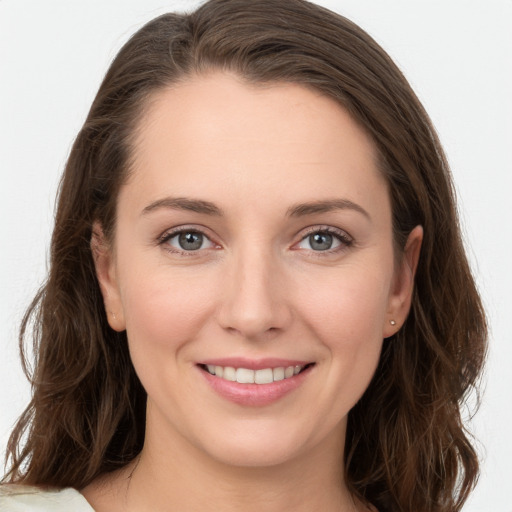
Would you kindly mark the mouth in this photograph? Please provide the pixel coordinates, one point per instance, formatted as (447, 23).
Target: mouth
(261, 376)
(255, 382)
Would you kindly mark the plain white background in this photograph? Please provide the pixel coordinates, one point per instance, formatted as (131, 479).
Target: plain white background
(457, 54)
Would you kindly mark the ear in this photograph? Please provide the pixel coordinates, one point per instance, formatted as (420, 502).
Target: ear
(104, 262)
(401, 292)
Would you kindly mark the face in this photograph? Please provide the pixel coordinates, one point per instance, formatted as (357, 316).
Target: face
(253, 269)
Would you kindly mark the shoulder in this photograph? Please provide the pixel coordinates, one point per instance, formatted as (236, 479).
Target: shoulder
(22, 498)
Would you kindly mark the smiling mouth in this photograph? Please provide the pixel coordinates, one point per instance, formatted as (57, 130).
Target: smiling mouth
(248, 376)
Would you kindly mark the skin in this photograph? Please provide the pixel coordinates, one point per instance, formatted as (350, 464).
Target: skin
(256, 288)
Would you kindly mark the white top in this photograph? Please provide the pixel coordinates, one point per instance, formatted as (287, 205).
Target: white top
(22, 498)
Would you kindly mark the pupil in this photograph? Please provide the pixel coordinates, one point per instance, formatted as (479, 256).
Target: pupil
(191, 241)
(320, 241)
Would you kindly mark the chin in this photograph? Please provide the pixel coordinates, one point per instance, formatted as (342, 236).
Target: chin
(267, 445)
(256, 455)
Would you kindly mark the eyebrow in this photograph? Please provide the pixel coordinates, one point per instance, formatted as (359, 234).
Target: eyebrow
(209, 208)
(184, 203)
(330, 205)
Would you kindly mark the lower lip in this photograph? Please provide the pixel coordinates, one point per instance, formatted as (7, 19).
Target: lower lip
(255, 395)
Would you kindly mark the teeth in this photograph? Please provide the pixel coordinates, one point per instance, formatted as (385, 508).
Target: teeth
(246, 376)
(289, 372)
(278, 374)
(265, 376)
(229, 374)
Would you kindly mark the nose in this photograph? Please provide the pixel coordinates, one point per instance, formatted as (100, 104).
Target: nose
(254, 297)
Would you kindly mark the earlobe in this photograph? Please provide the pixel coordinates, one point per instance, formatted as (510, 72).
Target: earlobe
(402, 291)
(104, 264)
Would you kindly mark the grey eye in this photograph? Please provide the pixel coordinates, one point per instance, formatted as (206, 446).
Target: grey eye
(320, 241)
(187, 241)
(190, 240)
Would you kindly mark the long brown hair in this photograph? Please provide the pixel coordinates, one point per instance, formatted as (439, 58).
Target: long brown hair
(406, 446)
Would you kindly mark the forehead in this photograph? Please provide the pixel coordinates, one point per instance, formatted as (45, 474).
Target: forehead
(217, 133)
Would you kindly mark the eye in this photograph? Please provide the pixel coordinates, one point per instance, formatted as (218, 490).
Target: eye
(187, 240)
(324, 240)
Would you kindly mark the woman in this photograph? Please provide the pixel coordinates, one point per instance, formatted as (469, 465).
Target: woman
(258, 295)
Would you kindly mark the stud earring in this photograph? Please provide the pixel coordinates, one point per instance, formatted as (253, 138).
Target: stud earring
(392, 322)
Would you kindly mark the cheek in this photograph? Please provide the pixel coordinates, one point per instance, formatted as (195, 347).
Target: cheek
(165, 309)
(164, 313)
(348, 304)
(347, 315)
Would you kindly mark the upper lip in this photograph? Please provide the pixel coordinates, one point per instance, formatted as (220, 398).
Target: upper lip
(254, 364)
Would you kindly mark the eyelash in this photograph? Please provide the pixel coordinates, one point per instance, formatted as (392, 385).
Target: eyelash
(345, 240)
(169, 235)
(342, 237)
